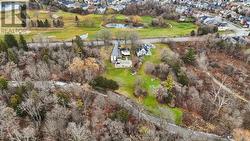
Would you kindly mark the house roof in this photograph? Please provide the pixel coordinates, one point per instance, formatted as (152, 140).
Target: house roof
(116, 51)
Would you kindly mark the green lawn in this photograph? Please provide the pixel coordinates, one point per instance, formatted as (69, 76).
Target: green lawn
(126, 81)
(70, 29)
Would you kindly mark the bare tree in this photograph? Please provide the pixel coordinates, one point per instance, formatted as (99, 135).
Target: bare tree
(8, 122)
(17, 75)
(26, 134)
(202, 61)
(220, 98)
(43, 72)
(56, 121)
(78, 132)
(133, 37)
(33, 108)
(149, 68)
(105, 35)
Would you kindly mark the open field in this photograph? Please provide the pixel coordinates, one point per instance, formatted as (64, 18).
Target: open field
(70, 29)
(127, 82)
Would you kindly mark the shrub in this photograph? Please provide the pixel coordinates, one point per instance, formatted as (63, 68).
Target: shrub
(20, 90)
(15, 100)
(79, 103)
(159, 22)
(104, 83)
(163, 96)
(120, 115)
(169, 83)
(87, 22)
(161, 71)
(63, 98)
(140, 92)
(192, 33)
(135, 20)
(3, 83)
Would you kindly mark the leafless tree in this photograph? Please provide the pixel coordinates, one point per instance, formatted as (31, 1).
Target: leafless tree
(105, 35)
(17, 75)
(202, 61)
(133, 37)
(116, 129)
(8, 122)
(33, 108)
(56, 121)
(26, 134)
(78, 132)
(8, 68)
(43, 72)
(219, 97)
(149, 68)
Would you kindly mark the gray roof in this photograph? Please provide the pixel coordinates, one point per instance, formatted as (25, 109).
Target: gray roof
(116, 51)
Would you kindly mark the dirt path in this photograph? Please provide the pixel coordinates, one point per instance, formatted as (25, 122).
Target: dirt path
(225, 88)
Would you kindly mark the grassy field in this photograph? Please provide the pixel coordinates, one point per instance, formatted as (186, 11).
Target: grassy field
(126, 81)
(70, 29)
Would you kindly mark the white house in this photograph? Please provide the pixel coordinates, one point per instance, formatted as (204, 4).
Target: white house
(120, 57)
(144, 49)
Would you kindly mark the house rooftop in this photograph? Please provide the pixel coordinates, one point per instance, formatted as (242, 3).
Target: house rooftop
(116, 51)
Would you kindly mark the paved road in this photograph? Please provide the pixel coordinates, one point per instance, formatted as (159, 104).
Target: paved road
(99, 43)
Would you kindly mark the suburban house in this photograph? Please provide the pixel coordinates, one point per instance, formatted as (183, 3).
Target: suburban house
(144, 50)
(236, 40)
(120, 57)
(245, 21)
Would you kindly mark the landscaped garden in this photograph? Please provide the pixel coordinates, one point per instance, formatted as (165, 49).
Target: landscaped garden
(127, 81)
(71, 29)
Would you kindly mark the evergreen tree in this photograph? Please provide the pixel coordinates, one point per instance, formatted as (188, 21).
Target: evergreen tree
(10, 40)
(189, 57)
(77, 20)
(12, 56)
(23, 14)
(183, 79)
(46, 23)
(3, 83)
(23, 43)
(58, 23)
(192, 33)
(79, 41)
(41, 23)
(3, 46)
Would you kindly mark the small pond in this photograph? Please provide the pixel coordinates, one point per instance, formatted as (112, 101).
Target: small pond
(120, 25)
